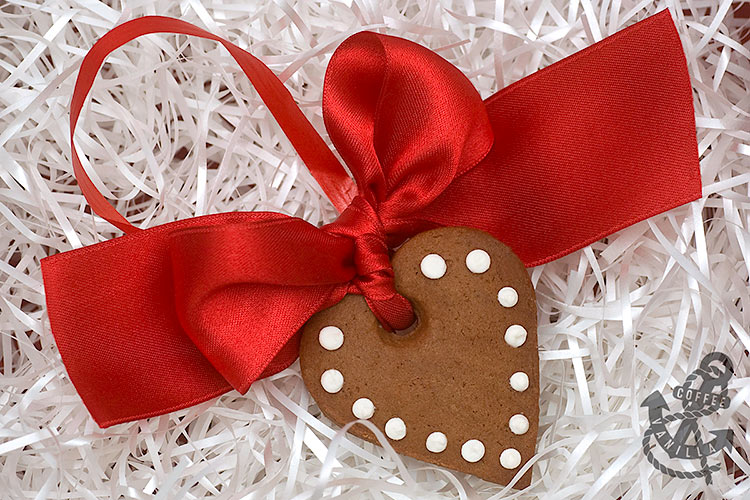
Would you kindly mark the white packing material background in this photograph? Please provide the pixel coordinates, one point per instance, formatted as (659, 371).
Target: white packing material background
(174, 130)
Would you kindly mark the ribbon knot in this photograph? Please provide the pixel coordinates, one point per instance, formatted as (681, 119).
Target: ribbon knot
(374, 274)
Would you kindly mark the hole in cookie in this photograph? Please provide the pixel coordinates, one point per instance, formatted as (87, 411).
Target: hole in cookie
(409, 329)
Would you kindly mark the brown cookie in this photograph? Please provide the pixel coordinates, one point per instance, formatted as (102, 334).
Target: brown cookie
(463, 392)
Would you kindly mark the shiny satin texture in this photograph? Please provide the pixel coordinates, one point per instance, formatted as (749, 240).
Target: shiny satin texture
(166, 317)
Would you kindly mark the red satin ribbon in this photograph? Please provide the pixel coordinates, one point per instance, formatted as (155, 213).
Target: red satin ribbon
(164, 318)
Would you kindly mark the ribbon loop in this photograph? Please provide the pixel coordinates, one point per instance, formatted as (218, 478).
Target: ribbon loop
(405, 121)
(233, 283)
(318, 158)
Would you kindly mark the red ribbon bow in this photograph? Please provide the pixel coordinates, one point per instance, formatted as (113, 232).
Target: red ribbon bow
(164, 318)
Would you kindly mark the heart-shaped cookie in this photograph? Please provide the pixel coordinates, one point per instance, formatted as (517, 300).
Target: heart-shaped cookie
(462, 389)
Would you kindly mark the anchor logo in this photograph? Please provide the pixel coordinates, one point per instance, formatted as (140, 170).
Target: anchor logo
(687, 443)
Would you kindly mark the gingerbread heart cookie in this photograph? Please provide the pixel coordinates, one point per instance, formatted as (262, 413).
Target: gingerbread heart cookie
(460, 390)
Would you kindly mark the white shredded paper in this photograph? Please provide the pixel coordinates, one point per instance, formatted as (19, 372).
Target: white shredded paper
(174, 130)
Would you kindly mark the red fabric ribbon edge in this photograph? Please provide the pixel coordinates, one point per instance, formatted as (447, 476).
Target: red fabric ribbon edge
(167, 317)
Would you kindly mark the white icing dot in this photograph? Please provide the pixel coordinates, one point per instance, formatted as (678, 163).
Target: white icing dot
(436, 442)
(515, 335)
(478, 261)
(519, 381)
(433, 266)
(518, 424)
(363, 408)
(472, 450)
(332, 381)
(395, 429)
(510, 458)
(331, 337)
(507, 296)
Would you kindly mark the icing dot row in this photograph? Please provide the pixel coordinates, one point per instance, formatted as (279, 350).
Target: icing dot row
(331, 338)
(395, 428)
(433, 265)
(473, 451)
